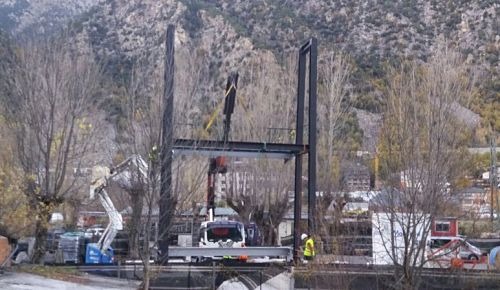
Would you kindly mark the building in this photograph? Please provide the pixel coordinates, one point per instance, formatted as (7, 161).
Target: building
(472, 199)
(444, 227)
(244, 179)
(356, 177)
(486, 176)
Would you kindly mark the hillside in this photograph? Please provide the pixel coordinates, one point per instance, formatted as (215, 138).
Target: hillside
(230, 35)
(38, 17)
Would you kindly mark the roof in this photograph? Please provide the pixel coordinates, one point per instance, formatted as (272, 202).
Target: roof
(447, 218)
(216, 223)
(220, 211)
(353, 206)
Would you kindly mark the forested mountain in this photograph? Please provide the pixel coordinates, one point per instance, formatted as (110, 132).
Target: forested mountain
(230, 35)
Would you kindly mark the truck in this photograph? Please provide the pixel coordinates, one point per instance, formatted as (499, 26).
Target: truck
(224, 234)
(388, 237)
(389, 231)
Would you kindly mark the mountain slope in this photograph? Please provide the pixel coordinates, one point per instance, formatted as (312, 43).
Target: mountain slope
(233, 34)
(35, 17)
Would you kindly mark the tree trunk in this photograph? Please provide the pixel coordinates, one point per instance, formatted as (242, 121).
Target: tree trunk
(41, 228)
(146, 249)
(135, 224)
(409, 283)
(146, 276)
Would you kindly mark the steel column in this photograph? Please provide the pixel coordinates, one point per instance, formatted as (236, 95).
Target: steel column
(299, 140)
(311, 48)
(166, 205)
(311, 182)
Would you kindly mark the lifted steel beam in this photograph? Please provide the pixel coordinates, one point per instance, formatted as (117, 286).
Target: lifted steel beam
(285, 252)
(238, 149)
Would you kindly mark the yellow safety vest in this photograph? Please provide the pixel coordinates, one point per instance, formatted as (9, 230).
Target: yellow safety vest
(309, 249)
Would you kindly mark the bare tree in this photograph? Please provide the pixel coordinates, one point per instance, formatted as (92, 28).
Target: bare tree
(421, 138)
(259, 191)
(334, 90)
(264, 113)
(264, 110)
(144, 107)
(50, 114)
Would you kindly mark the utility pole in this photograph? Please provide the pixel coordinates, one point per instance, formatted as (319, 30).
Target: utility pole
(493, 172)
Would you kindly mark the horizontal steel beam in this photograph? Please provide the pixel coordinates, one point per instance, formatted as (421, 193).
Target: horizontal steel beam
(285, 252)
(236, 154)
(212, 148)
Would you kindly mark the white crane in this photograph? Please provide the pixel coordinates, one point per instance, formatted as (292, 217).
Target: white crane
(101, 177)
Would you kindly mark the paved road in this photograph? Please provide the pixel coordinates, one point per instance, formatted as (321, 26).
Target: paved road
(25, 281)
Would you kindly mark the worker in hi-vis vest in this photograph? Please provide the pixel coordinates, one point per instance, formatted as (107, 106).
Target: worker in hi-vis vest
(308, 247)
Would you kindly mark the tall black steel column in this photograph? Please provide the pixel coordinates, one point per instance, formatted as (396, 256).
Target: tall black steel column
(166, 201)
(299, 140)
(311, 183)
(311, 48)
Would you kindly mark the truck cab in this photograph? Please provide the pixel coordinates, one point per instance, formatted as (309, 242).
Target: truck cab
(224, 234)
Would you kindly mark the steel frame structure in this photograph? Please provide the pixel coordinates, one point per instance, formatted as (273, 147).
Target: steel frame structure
(270, 150)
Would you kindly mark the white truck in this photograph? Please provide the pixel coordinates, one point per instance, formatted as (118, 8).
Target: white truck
(223, 234)
(220, 234)
(388, 237)
(389, 231)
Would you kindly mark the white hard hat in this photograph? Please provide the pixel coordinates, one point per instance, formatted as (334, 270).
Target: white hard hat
(303, 236)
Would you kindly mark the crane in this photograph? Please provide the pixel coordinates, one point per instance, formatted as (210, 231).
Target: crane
(218, 164)
(101, 252)
(221, 233)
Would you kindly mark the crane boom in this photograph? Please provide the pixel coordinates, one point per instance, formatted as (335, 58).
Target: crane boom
(217, 165)
(115, 222)
(101, 251)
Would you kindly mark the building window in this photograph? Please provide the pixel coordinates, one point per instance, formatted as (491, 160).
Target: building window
(443, 227)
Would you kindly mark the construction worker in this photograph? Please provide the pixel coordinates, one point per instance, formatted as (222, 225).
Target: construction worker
(309, 252)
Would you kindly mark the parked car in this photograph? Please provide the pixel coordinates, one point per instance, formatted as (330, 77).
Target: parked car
(466, 250)
(485, 213)
(253, 235)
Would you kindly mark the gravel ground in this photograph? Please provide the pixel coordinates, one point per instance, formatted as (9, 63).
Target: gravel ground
(25, 281)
